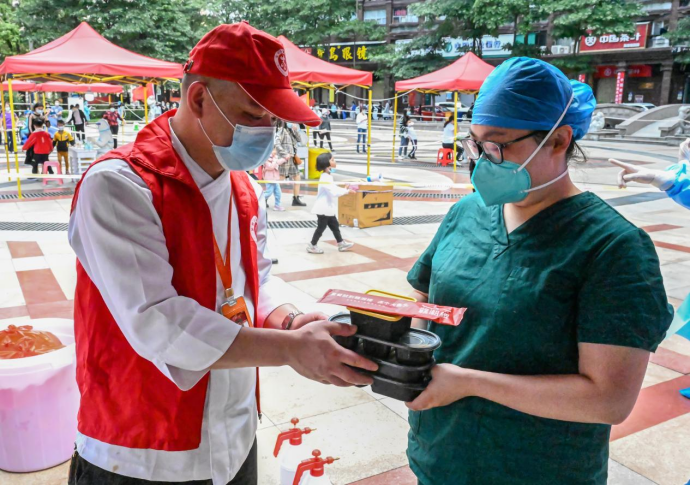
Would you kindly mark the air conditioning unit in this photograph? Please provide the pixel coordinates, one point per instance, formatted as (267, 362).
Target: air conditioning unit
(660, 42)
(560, 49)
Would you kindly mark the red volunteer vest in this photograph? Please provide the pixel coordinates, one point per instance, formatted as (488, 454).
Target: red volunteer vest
(125, 399)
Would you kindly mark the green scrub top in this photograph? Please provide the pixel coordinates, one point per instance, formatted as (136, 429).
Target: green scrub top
(575, 272)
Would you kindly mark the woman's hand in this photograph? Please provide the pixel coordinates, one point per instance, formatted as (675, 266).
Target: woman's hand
(449, 383)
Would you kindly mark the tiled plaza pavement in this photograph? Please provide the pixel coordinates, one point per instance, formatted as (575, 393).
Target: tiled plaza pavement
(368, 431)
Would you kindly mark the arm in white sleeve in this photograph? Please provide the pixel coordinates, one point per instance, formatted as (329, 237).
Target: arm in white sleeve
(273, 291)
(118, 238)
(331, 187)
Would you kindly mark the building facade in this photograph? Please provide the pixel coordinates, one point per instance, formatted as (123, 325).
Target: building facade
(637, 68)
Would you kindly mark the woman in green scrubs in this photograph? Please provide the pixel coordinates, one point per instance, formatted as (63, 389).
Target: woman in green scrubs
(564, 298)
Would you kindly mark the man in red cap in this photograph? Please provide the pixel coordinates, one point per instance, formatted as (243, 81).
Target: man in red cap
(175, 306)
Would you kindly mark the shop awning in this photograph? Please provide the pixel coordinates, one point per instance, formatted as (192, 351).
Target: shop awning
(83, 54)
(465, 75)
(59, 87)
(309, 71)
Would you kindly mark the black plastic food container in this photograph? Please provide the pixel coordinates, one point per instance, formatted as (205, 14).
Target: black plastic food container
(347, 342)
(384, 327)
(391, 369)
(395, 389)
(417, 347)
(376, 349)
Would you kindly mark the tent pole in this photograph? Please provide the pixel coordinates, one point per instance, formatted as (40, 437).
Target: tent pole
(146, 105)
(369, 110)
(4, 129)
(455, 132)
(45, 107)
(110, 99)
(14, 139)
(308, 138)
(123, 117)
(395, 122)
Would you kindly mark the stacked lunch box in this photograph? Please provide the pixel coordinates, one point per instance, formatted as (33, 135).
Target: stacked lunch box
(404, 354)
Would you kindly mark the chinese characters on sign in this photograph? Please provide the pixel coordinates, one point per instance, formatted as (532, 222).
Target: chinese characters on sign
(608, 42)
(620, 83)
(336, 53)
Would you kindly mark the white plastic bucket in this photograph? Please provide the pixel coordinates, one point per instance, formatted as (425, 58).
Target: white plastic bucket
(39, 400)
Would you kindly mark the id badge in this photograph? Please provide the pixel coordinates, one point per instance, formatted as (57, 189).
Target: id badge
(235, 309)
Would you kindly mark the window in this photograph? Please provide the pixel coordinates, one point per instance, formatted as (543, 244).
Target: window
(378, 16)
(402, 15)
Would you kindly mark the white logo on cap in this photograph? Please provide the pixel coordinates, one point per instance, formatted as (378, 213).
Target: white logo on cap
(281, 62)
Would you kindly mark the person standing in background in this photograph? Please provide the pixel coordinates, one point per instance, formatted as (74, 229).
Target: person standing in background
(114, 120)
(362, 124)
(287, 139)
(77, 118)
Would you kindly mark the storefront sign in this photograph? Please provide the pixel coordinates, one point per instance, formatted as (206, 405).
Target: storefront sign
(611, 42)
(342, 52)
(491, 46)
(620, 83)
(639, 70)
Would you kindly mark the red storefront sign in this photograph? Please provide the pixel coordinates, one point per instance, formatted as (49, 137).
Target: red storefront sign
(611, 42)
(620, 83)
(636, 70)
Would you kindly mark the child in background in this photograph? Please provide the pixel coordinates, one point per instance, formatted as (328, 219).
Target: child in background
(326, 205)
(271, 171)
(412, 136)
(60, 141)
(42, 145)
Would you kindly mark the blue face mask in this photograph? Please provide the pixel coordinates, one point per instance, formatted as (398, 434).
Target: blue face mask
(288, 125)
(251, 145)
(509, 182)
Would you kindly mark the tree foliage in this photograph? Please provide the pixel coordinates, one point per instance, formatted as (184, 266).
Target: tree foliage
(680, 39)
(473, 19)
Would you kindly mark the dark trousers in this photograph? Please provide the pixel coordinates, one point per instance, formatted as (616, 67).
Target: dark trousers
(414, 148)
(81, 472)
(326, 135)
(403, 146)
(362, 136)
(458, 152)
(322, 223)
(80, 129)
(113, 130)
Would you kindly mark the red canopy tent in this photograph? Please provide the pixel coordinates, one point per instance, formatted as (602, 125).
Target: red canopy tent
(20, 86)
(465, 75)
(59, 86)
(85, 54)
(309, 72)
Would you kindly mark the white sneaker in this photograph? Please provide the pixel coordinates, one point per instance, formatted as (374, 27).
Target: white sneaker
(345, 245)
(279, 208)
(314, 249)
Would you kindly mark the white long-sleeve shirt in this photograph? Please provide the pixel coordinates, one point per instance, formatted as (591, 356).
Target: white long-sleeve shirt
(326, 203)
(117, 235)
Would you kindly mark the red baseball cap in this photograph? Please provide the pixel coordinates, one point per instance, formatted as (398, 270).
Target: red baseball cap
(256, 61)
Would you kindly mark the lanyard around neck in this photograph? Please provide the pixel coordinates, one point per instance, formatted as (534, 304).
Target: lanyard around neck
(224, 268)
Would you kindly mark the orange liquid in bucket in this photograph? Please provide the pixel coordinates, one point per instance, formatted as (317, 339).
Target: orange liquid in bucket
(24, 341)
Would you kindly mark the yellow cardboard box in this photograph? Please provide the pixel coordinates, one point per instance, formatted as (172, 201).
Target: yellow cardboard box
(372, 206)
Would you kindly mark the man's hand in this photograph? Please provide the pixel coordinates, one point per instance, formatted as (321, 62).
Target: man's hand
(301, 320)
(449, 383)
(317, 356)
(660, 179)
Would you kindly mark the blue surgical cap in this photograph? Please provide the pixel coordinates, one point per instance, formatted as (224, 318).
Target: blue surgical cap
(530, 94)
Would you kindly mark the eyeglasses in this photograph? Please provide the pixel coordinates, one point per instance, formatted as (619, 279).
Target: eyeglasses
(491, 149)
